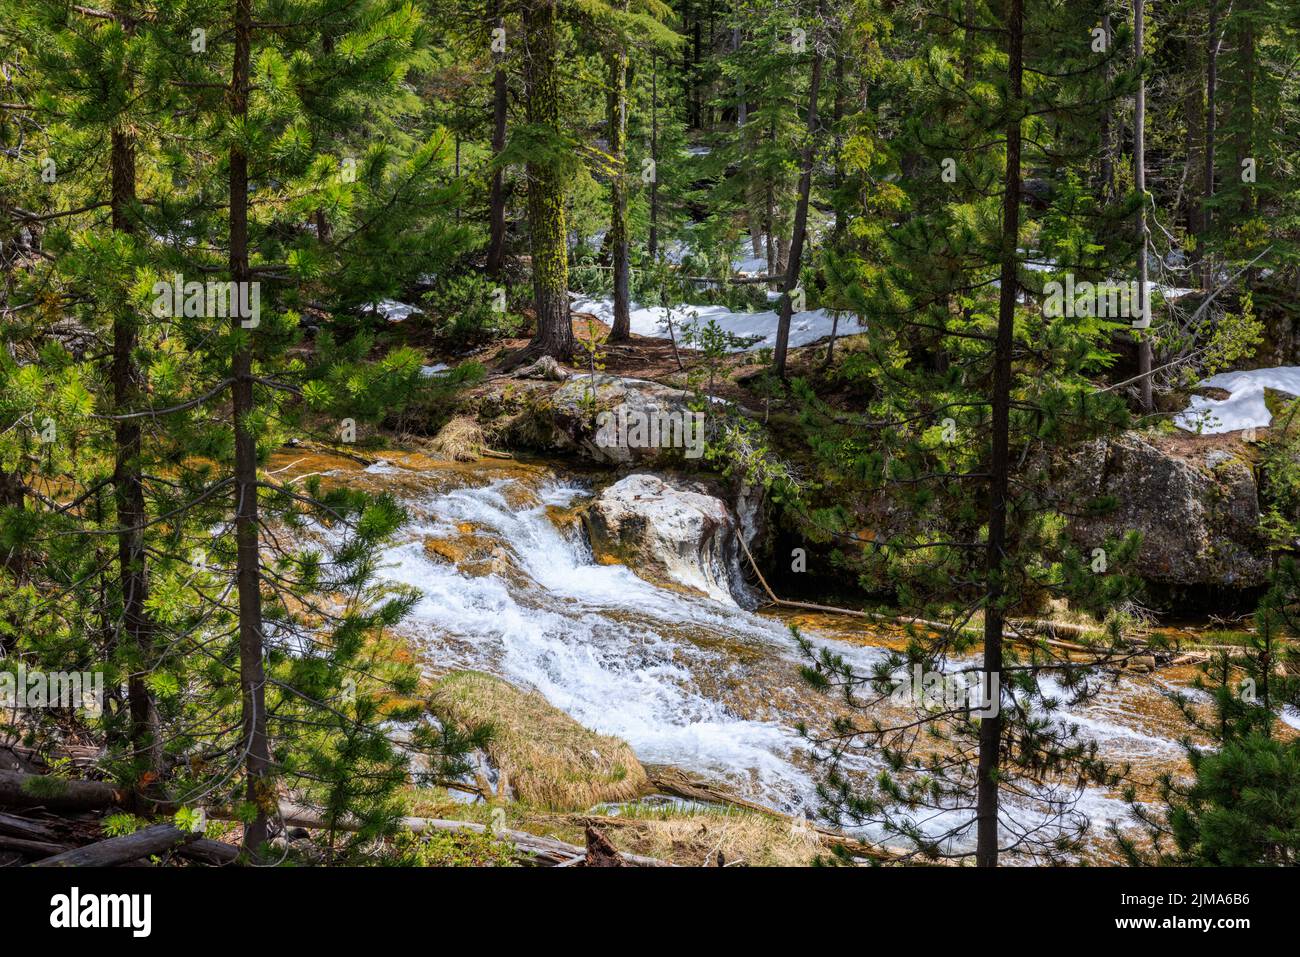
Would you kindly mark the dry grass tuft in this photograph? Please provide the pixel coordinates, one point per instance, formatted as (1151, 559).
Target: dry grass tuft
(698, 837)
(549, 759)
(460, 440)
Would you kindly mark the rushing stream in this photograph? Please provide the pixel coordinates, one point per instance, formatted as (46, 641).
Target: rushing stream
(509, 586)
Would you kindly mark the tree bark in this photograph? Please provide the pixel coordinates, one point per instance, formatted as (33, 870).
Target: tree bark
(497, 196)
(621, 330)
(546, 218)
(1245, 105)
(652, 245)
(122, 850)
(1146, 397)
(252, 674)
(1107, 123)
(145, 733)
(800, 222)
(1207, 184)
(34, 790)
(990, 731)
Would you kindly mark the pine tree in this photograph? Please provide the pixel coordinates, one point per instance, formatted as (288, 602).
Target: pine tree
(971, 391)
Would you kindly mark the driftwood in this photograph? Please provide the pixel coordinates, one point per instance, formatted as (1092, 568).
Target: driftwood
(121, 850)
(58, 794)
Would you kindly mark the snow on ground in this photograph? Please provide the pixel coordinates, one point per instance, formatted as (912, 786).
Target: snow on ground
(391, 309)
(1244, 408)
(805, 327)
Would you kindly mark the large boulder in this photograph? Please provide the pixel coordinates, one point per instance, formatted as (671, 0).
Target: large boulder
(1194, 501)
(671, 533)
(620, 421)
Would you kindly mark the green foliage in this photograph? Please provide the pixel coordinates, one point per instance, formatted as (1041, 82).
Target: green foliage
(440, 849)
(471, 310)
(1241, 805)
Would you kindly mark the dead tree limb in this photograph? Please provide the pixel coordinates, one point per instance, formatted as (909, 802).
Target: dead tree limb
(22, 827)
(58, 794)
(29, 847)
(120, 850)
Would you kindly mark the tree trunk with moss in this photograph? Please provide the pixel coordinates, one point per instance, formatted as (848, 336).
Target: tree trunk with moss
(497, 196)
(622, 328)
(546, 219)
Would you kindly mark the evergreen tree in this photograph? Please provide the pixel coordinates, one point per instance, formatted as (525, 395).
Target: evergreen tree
(974, 383)
(1241, 805)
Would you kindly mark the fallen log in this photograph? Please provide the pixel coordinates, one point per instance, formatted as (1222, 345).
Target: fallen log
(207, 851)
(30, 847)
(21, 827)
(58, 794)
(121, 850)
(12, 760)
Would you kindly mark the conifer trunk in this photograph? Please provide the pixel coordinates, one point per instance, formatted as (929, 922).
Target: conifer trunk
(1207, 184)
(1146, 399)
(652, 244)
(1245, 105)
(145, 733)
(497, 196)
(800, 222)
(622, 326)
(546, 219)
(990, 732)
(252, 674)
(1107, 170)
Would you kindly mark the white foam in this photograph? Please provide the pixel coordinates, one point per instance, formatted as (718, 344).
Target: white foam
(625, 657)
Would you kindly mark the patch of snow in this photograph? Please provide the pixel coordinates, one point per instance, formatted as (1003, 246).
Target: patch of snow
(750, 266)
(438, 369)
(391, 309)
(805, 327)
(1244, 408)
